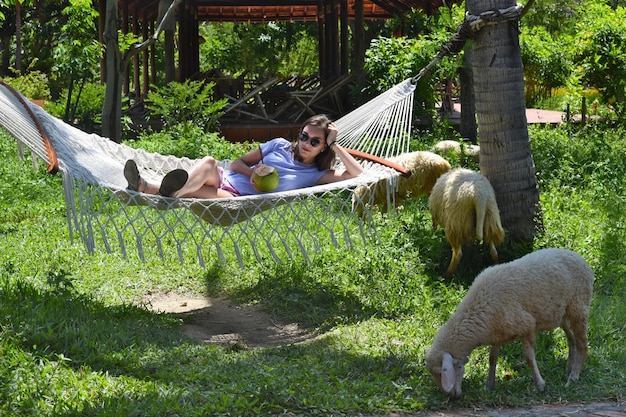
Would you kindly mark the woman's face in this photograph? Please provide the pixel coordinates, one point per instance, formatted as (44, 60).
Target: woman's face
(311, 142)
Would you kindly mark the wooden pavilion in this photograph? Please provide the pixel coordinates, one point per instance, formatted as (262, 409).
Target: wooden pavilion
(334, 17)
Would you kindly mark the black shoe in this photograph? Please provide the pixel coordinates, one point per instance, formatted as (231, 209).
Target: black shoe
(131, 172)
(172, 182)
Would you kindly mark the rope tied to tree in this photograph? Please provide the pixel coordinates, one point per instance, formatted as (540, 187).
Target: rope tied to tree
(492, 17)
(466, 29)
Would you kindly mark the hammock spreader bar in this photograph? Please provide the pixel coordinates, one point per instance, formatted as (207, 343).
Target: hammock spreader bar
(52, 163)
(382, 161)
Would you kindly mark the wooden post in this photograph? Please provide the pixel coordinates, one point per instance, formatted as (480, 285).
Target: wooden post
(583, 112)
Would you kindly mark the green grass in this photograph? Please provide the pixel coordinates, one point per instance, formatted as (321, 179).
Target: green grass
(76, 340)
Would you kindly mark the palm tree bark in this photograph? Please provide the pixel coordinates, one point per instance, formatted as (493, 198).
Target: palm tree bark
(505, 152)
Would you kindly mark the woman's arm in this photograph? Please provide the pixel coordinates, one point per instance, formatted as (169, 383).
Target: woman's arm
(245, 164)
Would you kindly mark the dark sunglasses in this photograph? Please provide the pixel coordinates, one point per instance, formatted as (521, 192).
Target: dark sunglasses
(304, 137)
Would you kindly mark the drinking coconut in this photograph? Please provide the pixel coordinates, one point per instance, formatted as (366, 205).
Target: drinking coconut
(265, 178)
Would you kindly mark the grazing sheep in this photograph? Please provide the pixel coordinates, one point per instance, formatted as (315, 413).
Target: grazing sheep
(464, 204)
(448, 147)
(425, 168)
(541, 291)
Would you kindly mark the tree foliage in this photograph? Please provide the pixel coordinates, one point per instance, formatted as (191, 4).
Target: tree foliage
(568, 48)
(77, 54)
(601, 57)
(579, 46)
(545, 66)
(390, 60)
(260, 49)
(188, 103)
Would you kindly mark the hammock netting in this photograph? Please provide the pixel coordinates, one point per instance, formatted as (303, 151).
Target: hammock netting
(103, 214)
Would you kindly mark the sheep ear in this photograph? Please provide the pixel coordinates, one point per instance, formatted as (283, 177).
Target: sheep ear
(448, 374)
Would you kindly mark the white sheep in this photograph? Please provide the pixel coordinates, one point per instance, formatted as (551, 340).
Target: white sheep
(448, 147)
(464, 204)
(425, 168)
(541, 291)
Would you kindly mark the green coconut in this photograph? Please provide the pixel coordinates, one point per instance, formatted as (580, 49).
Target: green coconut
(265, 178)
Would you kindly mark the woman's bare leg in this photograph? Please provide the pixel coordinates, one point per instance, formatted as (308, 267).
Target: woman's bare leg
(209, 192)
(203, 181)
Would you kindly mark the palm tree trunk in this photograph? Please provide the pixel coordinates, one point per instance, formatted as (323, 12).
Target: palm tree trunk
(505, 153)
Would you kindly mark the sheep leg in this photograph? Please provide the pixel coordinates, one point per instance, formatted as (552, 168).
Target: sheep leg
(577, 342)
(493, 252)
(493, 360)
(457, 252)
(528, 346)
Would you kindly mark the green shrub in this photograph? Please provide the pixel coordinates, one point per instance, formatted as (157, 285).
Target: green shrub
(545, 67)
(33, 85)
(601, 61)
(389, 61)
(85, 110)
(192, 142)
(189, 103)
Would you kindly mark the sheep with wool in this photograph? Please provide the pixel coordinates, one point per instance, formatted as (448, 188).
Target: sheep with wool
(541, 291)
(425, 168)
(464, 204)
(448, 147)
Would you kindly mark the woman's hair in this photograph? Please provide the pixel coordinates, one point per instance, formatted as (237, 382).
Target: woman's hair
(324, 160)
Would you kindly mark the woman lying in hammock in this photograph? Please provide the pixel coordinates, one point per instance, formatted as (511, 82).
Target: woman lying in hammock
(303, 163)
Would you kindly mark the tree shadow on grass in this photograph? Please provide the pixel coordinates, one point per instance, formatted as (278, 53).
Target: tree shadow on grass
(58, 320)
(161, 373)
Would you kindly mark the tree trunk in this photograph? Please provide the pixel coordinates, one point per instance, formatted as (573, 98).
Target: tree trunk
(505, 153)
(468, 127)
(169, 47)
(112, 109)
(18, 37)
(116, 65)
(359, 44)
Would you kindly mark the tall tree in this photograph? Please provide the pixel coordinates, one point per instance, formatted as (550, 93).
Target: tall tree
(505, 152)
(18, 27)
(77, 53)
(117, 61)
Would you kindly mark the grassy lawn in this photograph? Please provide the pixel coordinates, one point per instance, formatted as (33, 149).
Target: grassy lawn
(76, 339)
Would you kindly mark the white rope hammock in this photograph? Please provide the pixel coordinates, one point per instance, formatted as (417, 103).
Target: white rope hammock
(103, 213)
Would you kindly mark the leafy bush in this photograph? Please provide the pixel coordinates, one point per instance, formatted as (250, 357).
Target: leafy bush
(260, 50)
(33, 85)
(192, 142)
(389, 61)
(601, 61)
(189, 103)
(85, 110)
(545, 67)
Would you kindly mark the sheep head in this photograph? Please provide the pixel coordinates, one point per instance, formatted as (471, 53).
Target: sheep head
(447, 372)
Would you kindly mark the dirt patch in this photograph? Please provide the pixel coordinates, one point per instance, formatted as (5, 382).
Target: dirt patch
(220, 320)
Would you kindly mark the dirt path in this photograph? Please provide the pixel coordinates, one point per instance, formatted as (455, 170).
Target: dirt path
(220, 320)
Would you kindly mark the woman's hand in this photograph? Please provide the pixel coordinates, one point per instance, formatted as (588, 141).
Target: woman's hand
(332, 134)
